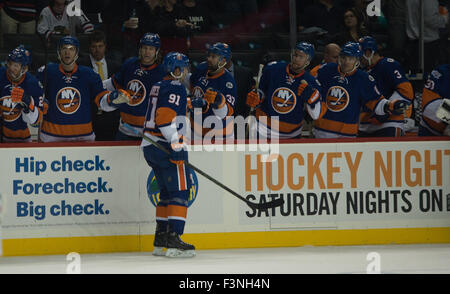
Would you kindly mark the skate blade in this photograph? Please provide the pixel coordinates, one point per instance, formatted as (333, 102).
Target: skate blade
(177, 253)
(158, 251)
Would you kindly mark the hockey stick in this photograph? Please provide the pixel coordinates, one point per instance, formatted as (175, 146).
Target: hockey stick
(252, 109)
(259, 206)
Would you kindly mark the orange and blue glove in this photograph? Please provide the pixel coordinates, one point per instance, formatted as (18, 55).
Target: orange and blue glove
(253, 98)
(19, 96)
(118, 97)
(214, 98)
(311, 94)
(395, 107)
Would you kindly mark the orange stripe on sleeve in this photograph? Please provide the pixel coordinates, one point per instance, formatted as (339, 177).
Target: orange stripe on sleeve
(429, 96)
(406, 90)
(100, 96)
(230, 109)
(314, 71)
(437, 126)
(373, 103)
(164, 116)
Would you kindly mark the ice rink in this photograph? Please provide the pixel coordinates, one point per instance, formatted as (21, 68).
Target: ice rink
(389, 259)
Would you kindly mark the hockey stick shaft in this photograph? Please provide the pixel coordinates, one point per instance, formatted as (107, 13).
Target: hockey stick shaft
(252, 109)
(261, 206)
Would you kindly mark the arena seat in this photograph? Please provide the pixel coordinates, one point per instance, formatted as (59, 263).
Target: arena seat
(255, 41)
(31, 41)
(248, 58)
(201, 42)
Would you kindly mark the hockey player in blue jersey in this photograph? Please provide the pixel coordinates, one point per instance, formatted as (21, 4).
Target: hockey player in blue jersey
(168, 102)
(346, 90)
(69, 91)
(286, 92)
(21, 98)
(392, 83)
(435, 119)
(213, 91)
(136, 76)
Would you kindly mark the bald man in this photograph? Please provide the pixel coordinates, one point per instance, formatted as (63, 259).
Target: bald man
(330, 54)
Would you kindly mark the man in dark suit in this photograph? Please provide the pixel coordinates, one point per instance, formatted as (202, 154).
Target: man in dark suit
(105, 124)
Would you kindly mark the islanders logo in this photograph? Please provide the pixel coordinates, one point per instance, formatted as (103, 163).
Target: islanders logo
(197, 92)
(9, 109)
(337, 99)
(68, 100)
(153, 188)
(283, 100)
(138, 92)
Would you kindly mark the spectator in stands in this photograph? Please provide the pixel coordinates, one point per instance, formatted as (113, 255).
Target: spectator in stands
(322, 14)
(234, 10)
(433, 21)
(95, 11)
(172, 27)
(120, 32)
(148, 16)
(373, 23)
(353, 28)
(141, 17)
(330, 54)
(19, 16)
(54, 20)
(396, 17)
(196, 14)
(105, 124)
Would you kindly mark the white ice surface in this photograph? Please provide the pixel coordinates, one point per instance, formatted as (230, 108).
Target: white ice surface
(405, 259)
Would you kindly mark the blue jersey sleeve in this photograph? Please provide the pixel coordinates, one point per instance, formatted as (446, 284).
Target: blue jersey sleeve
(35, 91)
(369, 93)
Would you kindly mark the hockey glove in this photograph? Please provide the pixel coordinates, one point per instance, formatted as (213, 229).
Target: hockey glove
(200, 103)
(253, 98)
(118, 97)
(312, 96)
(19, 96)
(214, 98)
(395, 107)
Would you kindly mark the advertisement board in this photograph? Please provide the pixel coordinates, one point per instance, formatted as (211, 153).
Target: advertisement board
(98, 198)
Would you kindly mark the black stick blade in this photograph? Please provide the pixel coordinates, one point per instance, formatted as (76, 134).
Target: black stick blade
(266, 205)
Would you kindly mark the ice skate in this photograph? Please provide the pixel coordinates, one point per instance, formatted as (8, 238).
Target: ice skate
(160, 243)
(177, 248)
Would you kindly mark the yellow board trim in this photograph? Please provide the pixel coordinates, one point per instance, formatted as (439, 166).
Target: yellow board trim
(108, 244)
